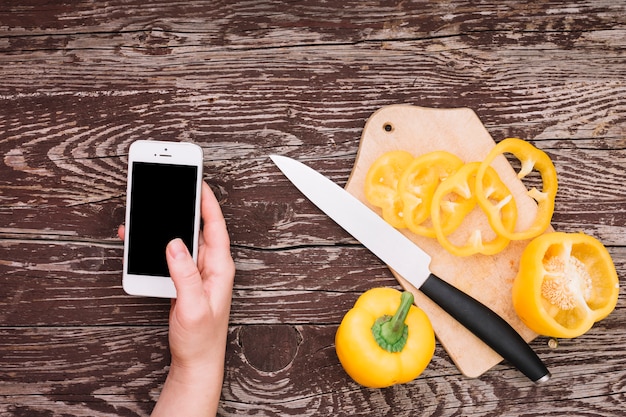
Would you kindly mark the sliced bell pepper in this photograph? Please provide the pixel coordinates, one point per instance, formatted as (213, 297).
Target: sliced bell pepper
(385, 339)
(455, 198)
(531, 159)
(417, 187)
(566, 282)
(381, 185)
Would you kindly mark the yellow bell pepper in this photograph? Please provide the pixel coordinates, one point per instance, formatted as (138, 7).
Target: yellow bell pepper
(384, 339)
(531, 159)
(381, 185)
(417, 187)
(566, 282)
(456, 198)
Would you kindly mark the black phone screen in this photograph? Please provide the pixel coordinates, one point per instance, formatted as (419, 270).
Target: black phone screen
(162, 205)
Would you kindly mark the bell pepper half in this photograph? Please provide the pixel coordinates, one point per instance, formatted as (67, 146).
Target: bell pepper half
(566, 282)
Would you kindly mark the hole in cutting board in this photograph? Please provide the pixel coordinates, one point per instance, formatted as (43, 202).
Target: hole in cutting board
(388, 127)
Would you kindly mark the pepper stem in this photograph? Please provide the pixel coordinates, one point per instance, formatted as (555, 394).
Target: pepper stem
(391, 332)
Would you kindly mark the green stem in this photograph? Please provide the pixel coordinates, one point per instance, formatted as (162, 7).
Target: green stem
(391, 333)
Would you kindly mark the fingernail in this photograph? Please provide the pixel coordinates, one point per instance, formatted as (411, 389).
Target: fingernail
(177, 249)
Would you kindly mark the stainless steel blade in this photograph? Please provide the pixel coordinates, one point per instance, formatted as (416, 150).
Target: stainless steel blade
(386, 242)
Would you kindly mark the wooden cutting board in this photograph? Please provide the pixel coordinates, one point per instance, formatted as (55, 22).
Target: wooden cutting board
(487, 278)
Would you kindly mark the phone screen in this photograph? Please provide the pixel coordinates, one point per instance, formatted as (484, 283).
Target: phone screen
(162, 204)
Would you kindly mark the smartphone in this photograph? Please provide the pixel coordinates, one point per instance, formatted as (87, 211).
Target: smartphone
(162, 203)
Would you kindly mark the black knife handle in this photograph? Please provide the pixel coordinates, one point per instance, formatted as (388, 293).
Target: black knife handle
(487, 326)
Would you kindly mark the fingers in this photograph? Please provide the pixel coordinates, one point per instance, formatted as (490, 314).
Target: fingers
(216, 252)
(214, 232)
(120, 231)
(183, 271)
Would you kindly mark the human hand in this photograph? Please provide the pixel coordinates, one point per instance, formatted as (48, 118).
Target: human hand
(198, 317)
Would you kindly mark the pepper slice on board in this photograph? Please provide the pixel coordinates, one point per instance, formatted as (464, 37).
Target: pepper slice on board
(385, 339)
(417, 187)
(531, 159)
(455, 198)
(381, 185)
(566, 282)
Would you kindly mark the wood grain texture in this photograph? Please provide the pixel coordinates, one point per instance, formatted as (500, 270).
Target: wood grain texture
(79, 81)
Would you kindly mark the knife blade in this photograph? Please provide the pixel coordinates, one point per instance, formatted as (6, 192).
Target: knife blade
(412, 263)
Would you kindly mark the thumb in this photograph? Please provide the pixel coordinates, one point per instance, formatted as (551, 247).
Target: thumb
(183, 270)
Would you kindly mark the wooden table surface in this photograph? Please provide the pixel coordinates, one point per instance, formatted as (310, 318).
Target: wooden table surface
(80, 81)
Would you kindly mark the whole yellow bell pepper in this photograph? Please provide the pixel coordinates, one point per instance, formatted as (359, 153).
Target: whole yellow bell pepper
(385, 339)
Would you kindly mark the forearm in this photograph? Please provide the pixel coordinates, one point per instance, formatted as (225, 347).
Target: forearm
(190, 392)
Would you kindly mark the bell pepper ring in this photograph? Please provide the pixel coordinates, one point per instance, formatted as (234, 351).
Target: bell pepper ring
(384, 339)
(531, 159)
(417, 187)
(566, 282)
(455, 198)
(381, 185)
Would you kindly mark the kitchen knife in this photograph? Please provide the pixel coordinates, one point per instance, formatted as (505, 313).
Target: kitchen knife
(412, 263)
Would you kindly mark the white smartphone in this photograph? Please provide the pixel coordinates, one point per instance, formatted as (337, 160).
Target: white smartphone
(162, 203)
